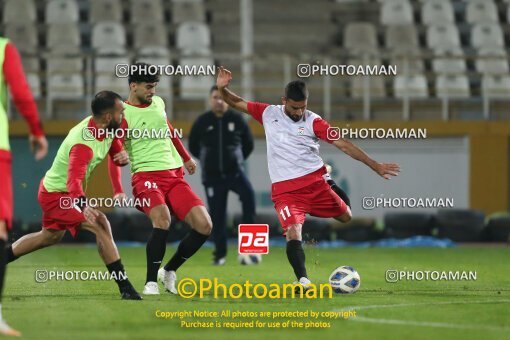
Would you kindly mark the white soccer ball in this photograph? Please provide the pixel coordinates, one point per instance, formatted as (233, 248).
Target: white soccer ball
(249, 259)
(344, 280)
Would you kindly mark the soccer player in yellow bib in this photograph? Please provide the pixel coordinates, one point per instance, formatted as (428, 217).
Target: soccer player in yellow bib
(158, 177)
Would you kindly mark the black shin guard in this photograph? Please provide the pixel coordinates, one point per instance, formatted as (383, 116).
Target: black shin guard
(188, 246)
(339, 192)
(296, 256)
(155, 250)
(116, 270)
(9, 254)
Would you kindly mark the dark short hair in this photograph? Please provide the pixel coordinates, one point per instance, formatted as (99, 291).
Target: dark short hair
(141, 75)
(296, 90)
(103, 101)
(213, 88)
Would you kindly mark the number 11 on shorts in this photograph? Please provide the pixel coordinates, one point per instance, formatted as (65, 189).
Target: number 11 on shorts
(285, 212)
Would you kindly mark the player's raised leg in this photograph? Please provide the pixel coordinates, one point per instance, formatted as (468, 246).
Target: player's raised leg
(110, 255)
(156, 246)
(345, 217)
(32, 242)
(200, 221)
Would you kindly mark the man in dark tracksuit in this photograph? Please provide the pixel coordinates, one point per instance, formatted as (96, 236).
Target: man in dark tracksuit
(222, 140)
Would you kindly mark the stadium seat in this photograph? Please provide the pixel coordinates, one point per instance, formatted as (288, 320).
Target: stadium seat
(195, 87)
(64, 65)
(63, 38)
(154, 60)
(360, 37)
(443, 35)
(106, 65)
(146, 11)
(183, 11)
(61, 11)
(107, 36)
(492, 60)
(496, 86)
(401, 37)
(487, 35)
(437, 12)
(35, 84)
(481, 11)
(30, 64)
(375, 83)
(65, 86)
(112, 83)
(150, 34)
(452, 86)
(156, 51)
(375, 86)
(449, 60)
(408, 61)
(105, 10)
(396, 12)
(413, 86)
(193, 37)
(23, 35)
(13, 10)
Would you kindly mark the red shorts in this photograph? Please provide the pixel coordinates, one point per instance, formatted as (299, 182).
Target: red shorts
(164, 187)
(316, 199)
(58, 212)
(6, 191)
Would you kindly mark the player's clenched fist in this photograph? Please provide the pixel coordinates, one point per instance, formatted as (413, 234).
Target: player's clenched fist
(224, 77)
(121, 158)
(91, 215)
(191, 166)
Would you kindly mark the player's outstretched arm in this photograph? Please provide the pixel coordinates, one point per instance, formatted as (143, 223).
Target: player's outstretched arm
(232, 99)
(385, 170)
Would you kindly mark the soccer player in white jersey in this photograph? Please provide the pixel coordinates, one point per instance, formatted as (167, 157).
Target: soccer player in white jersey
(297, 172)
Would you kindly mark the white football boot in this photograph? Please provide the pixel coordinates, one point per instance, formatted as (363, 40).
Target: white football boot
(168, 279)
(5, 329)
(151, 288)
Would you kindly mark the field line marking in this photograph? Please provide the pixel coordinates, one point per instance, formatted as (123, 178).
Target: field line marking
(438, 303)
(427, 324)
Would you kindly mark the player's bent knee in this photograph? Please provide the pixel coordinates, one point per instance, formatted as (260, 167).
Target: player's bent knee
(161, 221)
(293, 232)
(206, 228)
(199, 219)
(345, 217)
(52, 237)
(160, 217)
(203, 225)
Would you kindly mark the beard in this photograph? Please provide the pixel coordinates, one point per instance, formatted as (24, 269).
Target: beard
(294, 118)
(113, 125)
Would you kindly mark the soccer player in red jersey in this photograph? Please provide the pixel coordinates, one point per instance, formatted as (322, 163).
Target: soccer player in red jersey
(297, 172)
(12, 74)
(157, 167)
(61, 192)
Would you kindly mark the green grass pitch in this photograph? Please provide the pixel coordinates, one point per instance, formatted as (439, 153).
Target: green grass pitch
(408, 309)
